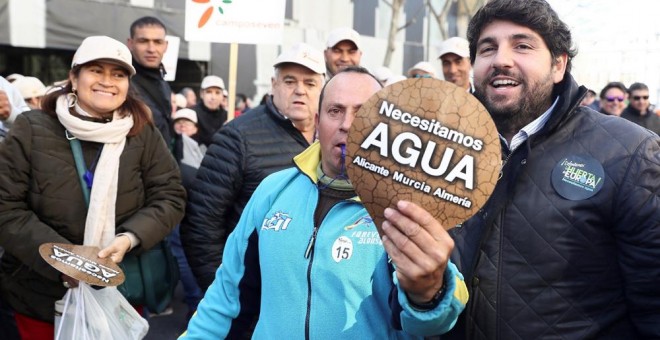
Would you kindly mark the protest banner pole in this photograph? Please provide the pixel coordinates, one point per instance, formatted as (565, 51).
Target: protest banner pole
(233, 61)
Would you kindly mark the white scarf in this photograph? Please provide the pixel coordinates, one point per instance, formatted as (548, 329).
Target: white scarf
(193, 152)
(100, 223)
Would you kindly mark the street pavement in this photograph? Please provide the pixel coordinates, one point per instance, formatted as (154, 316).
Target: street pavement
(169, 327)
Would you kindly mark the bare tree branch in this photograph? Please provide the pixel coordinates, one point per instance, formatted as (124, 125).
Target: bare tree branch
(440, 17)
(414, 18)
(391, 37)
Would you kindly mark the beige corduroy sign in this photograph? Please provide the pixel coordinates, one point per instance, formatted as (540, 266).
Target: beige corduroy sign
(426, 141)
(82, 263)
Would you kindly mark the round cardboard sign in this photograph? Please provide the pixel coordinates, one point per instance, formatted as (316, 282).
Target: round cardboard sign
(426, 141)
(81, 263)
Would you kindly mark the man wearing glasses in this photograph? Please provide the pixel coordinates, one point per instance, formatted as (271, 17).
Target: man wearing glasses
(639, 110)
(422, 69)
(612, 98)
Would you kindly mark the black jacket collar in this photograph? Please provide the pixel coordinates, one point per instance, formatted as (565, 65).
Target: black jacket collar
(157, 73)
(570, 96)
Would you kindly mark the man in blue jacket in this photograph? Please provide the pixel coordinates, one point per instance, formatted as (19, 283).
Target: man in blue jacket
(567, 247)
(305, 258)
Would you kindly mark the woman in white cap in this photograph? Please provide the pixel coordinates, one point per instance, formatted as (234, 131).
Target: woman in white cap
(32, 90)
(135, 198)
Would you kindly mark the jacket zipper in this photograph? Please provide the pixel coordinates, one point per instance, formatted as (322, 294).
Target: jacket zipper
(499, 258)
(499, 276)
(503, 164)
(309, 254)
(502, 214)
(310, 245)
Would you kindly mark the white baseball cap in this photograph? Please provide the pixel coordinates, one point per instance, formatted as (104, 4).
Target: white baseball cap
(395, 79)
(188, 114)
(343, 33)
(180, 100)
(456, 45)
(100, 47)
(212, 81)
(30, 87)
(423, 66)
(382, 73)
(13, 77)
(304, 55)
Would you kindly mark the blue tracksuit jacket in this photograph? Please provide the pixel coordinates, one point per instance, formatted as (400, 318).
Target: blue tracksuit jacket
(344, 287)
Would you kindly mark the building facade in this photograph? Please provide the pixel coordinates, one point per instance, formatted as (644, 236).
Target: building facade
(39, 37)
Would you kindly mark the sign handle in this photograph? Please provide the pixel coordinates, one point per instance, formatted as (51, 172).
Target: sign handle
(233, 61)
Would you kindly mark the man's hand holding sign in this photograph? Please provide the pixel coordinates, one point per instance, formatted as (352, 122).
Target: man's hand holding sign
(419, 248)
(423, 155)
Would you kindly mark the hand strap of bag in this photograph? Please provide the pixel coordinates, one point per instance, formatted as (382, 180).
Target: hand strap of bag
(76, 148)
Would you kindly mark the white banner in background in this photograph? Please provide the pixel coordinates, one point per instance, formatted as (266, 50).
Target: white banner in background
(27, 23)
(235, 21)
(171, 57)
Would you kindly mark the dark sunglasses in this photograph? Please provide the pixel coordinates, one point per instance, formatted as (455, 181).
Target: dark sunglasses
(422, 76)
(613, 98)
(640, 97)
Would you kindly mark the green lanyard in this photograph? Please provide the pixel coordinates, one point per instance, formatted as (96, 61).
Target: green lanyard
(84, 175)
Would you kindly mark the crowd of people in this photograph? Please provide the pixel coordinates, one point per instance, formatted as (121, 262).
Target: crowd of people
(253, 208)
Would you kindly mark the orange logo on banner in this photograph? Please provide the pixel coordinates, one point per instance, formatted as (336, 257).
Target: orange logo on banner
(209, 11)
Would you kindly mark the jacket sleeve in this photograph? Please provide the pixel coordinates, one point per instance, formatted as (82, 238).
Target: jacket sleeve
(219, 179)
(440, 319)
(165, 197)
(637, 229)
(21, 231)
(230, 306)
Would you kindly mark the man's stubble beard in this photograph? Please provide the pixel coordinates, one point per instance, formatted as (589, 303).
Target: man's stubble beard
(534, 100)
(328, 69)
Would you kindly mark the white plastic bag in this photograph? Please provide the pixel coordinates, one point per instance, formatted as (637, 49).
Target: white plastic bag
(103, 314)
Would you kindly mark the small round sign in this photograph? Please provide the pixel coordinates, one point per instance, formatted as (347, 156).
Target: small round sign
(82, 263)
(426, 141)
(578, 177)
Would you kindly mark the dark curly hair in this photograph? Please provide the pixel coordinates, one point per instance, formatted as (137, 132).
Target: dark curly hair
(534, 14)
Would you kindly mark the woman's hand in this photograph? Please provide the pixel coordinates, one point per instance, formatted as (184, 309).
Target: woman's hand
(117, 249)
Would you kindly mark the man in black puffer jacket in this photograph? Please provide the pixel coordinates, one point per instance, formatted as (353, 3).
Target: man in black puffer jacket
(148, 44)
(210, 113)
(568, 245)
(246, 150)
